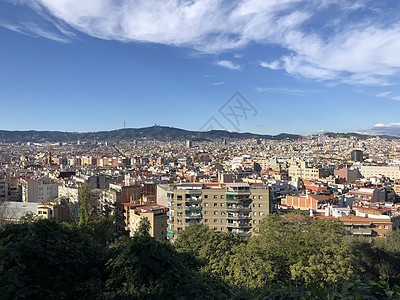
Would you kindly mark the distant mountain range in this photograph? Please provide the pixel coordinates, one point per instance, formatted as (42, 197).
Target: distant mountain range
(150, 133)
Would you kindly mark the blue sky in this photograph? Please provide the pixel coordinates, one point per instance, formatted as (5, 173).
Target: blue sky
(301, 66)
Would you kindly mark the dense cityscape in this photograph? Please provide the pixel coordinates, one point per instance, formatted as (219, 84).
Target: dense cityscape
(272, 170)
(354, 180)
(332, 193)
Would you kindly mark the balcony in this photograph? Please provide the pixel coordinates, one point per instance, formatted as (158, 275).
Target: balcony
(193, 215)
(238, 199)
(238, 224)
(192, 222)
(193, 199)
(193, 207)
(239, 216)
(238, 208)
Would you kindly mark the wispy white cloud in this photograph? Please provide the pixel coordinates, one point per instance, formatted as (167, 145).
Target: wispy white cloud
(228, 64)
(273, 65)
(392, 129)
(218, 83)
(297, 92)
(384, 94)
(388, 95)
(34, 30)
(355, 45)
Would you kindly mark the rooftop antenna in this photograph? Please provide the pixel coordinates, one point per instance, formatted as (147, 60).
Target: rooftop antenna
(124, 124)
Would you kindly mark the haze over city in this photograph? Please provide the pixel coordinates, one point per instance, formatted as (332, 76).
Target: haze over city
(303, 66)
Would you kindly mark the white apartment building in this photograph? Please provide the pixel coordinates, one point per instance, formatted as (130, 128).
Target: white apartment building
(370, 171)
(38, 190)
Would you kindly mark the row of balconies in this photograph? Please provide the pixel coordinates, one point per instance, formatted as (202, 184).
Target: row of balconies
(238, 224)
(239, 216)
(238, 207)
(192, 215)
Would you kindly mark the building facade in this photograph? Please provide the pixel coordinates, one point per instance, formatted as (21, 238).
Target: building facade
(38, 190)
(236, 208)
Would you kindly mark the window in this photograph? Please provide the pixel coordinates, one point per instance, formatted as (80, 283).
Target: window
(206, 212)
(206, 204)
(215, 213)
(386, 226)
(254, 197)
(215, 204)
(222, 221)
(259, 197)
(179, 197)
(260, 205)
(215, 228)
(222, 196)
(254, 213)
(254, 205)
(215, 220)
(205, 220)
(261, 213)
(205, 196)
(215, 196)
(222, 204)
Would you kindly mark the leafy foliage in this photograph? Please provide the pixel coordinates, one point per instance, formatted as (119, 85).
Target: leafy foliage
(143, 228)
(46, 260)
(85, 207)
(148, 269)
(293, 257)
(380, 259)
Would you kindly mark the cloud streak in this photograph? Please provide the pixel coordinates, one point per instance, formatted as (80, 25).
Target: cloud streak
(388, 95)
(360, 50)
(228, 64)
(296, 92)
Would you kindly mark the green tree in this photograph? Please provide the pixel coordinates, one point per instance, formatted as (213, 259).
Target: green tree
(85, 209)
(47, 260)
(293, 250)
(144, 228)
(211, 250)
(29, 217)
(379, 259)
(147, 269)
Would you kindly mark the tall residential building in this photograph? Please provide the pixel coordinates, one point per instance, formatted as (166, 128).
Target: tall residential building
(38, 190)
(237, 208)
(4, 189)
(356, 155)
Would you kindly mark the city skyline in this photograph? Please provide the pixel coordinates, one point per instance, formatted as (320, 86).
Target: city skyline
(300, 67)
